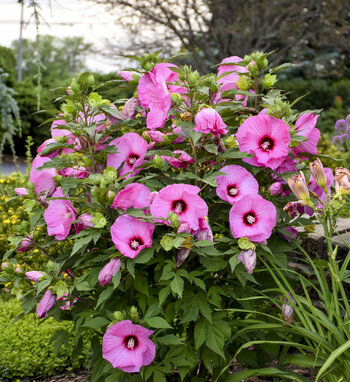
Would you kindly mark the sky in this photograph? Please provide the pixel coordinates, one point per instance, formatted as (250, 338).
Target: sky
(64, 18)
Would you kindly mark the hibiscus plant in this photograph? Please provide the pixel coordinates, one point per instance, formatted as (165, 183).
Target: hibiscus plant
(153, 214)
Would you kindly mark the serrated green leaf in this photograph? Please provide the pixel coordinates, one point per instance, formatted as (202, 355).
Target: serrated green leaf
(104, 295)
(97, 322)
(158, 323)
(200, 333)
(177, 285)
(170, 339)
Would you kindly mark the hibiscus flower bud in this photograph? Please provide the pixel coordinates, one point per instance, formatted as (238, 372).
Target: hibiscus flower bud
(118, 316)
(298, 185)
(157, 161)
(34, 275)
(21, 191)
(108, 271)
(243, 83)
(248, 259)
(46, 303)
(318, 173)
(276, 188)
(269, 80)
(134, 314)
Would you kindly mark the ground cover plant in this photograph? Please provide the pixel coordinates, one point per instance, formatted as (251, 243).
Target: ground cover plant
(157, 218)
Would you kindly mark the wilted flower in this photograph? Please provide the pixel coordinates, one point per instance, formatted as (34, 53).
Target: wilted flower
(305, 126)
(131, 236)
(183, 200)
(59, 216)
(21, 191)
(131, 152)
(67, 304)
(298, 185)
(108, 271)
(287, 310)
(43, 179)
(46, 303)
(237, 183)
(253, 217)
(267, 138)
(129, 110)
(26, 244)
(318, 173)
(342, 180)
(34, 275)
(127, 346)
(208, 120)
(248, 259)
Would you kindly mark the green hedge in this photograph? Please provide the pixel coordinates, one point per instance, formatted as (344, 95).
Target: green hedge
(26, 349)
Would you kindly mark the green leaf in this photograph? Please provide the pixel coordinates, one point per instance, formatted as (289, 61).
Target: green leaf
(334, 355)
(200, 333)
(303, 360)
(97, 322)
(204, 307)
(170, 339)
(158, 322)
(130, 266)
(163, 294)
(234, 261)
(215, 341)
(145, 256)
(266, 372)
(211, 148)
(104, 295)
(177, 285)
(233, 153)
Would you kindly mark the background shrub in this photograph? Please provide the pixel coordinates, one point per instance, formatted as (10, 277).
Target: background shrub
(25, 345)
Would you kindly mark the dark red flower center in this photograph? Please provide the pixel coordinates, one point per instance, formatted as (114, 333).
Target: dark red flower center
(249, 218)
(179, 206)
(132, 159)
(131, 342)
(267, 143)
(135, 243)
(232, 190)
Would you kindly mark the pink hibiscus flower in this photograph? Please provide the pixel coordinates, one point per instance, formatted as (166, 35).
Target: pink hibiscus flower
(134, 195)
(84, 222)
(253, 217)
(34, 275)
(305, 126)
(183, 159)
(127, 346)
(183, 200)
(59, 216)
(208, 120)
(108, 271)
(21, 191)
(46, 303)
(237, 183)
(52, 154)
(131, 236)
(154, 93)
(26, 244)
(42, 179)
(131, 151)
(267, 138)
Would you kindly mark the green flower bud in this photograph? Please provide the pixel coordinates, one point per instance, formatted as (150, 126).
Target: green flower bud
(175, 222)
(118, 316)
(245, 243)
(193, 78)
(167, 242)
(157, 161)
(99, 220)
(110, 196)
(176, 98)
(269, 80)
(134, 314)
(95, 100)
(243, 83)
(148, 66)
(95, 178)
(110, 174)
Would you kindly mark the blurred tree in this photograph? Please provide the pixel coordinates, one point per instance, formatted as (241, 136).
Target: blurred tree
(213, 29)
(60, 58)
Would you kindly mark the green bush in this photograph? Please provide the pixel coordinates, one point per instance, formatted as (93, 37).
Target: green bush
(25, 345)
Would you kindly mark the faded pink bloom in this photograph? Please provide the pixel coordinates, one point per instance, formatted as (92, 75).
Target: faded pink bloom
(42, 179)
(46, 303)
(183, 159)
(127, 346)
(129, 110)
(276, 188)
(34, 275)
(318, 190)
(237, 183)
(21, 191)
(290, 234)
(305, 126)
(248, 259)
(253, 217)
(182, 255)
(77, 172)
(59, 216)
(26, 244)
(183, 200)
(208, 120)
(267, 138)
(131, 236)
(108, 271)
(131, 152)
(292, 209)
(84, 222)
(126, 75)
(134, 195)
(67, 304)
(154, 93)
(342, 180)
